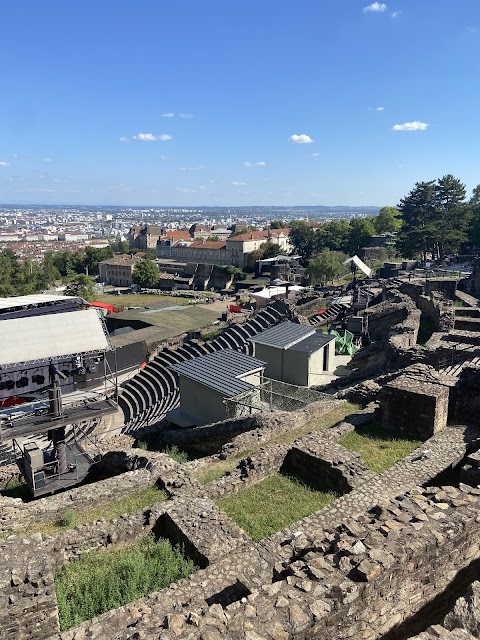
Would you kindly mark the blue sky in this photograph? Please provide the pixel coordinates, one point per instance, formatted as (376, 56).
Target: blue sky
(224, 102)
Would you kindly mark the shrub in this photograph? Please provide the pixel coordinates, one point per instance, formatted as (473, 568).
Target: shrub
(67, 519)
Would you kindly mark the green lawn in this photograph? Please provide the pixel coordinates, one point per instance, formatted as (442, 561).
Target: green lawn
(107, 510)
(273, 504)
(138, 299)
(379, 448)
(217, 469)
(103, 580)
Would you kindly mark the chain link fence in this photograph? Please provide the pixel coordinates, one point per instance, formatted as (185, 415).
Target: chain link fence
(272, 395)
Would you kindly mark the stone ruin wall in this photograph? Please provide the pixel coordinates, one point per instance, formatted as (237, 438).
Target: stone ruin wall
(234, 567)
(363, 565)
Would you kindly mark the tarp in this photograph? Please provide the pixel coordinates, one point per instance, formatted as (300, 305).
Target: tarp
(50, 336)
(102, 305)
(360, 264)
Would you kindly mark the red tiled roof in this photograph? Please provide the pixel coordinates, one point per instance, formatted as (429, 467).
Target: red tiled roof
(177, 235)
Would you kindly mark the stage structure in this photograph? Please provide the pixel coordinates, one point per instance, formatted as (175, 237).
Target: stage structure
(54, 376)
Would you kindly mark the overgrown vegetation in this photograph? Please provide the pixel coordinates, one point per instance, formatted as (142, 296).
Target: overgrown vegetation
(102, 580)
(107, 510)
(172, 450)
(218, 469)
(273, 504)
(379, 448)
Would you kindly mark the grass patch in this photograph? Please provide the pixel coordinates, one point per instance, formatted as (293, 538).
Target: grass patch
(103, 580)
(138, 299)
(324, 421)
(427, 327)
(273, 504)
(109, 510)
(217, 469)
(379, 448)
(172, 450)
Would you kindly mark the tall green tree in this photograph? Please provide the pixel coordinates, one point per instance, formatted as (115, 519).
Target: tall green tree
(303, 239)
(418, 215)
(82, 286)
(435, 218)
(146, 273)
(93, 256)
(474, 217)
(333, 235)
(361, 230)
(325, 266)
(388, 220)
(450, 214)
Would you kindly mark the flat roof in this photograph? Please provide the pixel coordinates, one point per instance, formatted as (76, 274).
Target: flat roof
(313, 343)
(39, 298)
(51, 335)
(221, 370)
(284, 335)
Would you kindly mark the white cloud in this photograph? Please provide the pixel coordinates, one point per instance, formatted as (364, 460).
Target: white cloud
(202, 187)
(239, 184)
(395, 14)
(254, 164)
(163, 157)
(300, 139)
(46, 160)
(315, 154)
(125, 139)
(151, 137)
(189, 168)
(411, 126)
(187, 190)
(380, 109)
(185, 116)
(375, 7)
(168, 115)
(4, 164)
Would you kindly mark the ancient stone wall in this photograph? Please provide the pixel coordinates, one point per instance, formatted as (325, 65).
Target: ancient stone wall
(334, 467)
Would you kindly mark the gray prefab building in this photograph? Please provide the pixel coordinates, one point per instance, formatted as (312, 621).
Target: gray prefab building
(205, 382)
(296, 353)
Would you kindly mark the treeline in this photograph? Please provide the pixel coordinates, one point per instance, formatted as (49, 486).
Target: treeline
(19, 277)
(438, 219)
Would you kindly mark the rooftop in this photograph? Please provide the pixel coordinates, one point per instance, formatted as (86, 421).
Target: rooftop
(313, 343)
(221, 370)
(260, 235)
(284, 335)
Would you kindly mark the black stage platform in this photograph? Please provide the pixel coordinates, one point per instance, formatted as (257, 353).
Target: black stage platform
(31, 425)
(47, 478)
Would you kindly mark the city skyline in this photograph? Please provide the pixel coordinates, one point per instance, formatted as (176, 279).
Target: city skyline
(215, 104)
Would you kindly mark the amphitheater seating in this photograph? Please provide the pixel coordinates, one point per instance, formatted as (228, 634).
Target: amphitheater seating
(146, 397)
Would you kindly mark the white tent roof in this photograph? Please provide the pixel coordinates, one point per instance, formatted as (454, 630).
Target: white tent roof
(50, 336)
(38, 298)
(271, 292)
(360, 264)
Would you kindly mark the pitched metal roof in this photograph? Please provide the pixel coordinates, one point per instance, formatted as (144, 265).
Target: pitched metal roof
(313, 343)
(221, 370)
(283, 335)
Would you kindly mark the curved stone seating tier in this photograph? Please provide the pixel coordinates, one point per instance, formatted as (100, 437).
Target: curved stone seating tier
(146, 398)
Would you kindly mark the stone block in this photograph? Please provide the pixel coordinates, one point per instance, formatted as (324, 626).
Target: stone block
(414, 408)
